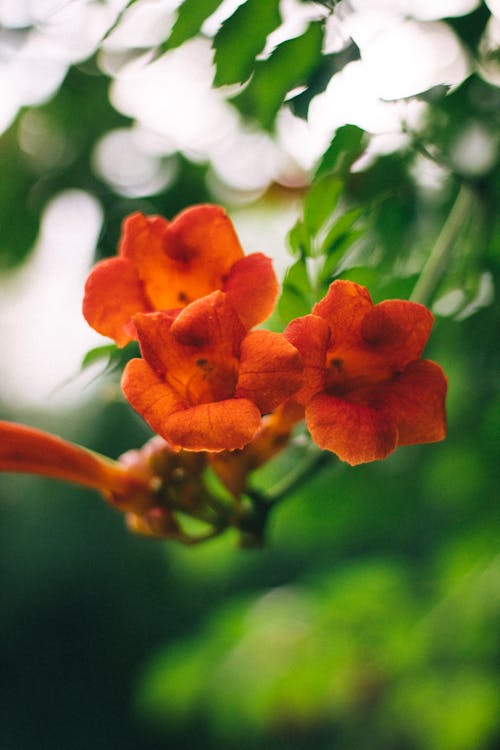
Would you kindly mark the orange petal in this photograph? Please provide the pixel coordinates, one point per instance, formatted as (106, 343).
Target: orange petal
(270, 369)
(210, 323)
(344, 307)
(175, 263)
(216, 426)
(149, 395)
(155, 339)
(415, 400)
(398, 329)
(27, 450)
(205, 234)
(113, 293)
(310, 335)
(356, 433)
(165, 280)
(138, 234)
(184, 260)
(197, 352)
(252, 288)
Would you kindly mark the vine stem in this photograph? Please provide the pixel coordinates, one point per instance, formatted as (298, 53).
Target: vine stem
(252, 521)
(291, 483)
(435, 266)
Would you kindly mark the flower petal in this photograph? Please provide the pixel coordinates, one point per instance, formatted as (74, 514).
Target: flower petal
(142, 243)
(155, 339)
(270, 369)
(415, 400)
(216, 426)
(355, 432)
(154, 399)
(310, 335)
(205, 234)
(113, 293)
(197, 351)
(27, 450)
(398, 329)
(252, 288)
(181, 261)
(210, 323)
(344, 307)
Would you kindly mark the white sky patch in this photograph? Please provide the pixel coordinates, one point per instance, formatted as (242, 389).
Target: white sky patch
(425, 10)
(494, 6)
(144, 24)
(474, 151)
(350, 98)
(63, 33)
(173, 97)
(119, 160)
(44, 335)
(295, 136)
(263, 227)
(28, 79)
(410, 57)
(430, 10)
(246, 160)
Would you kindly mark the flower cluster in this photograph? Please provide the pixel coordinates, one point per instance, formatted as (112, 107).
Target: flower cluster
(191, 298)
(219, 392)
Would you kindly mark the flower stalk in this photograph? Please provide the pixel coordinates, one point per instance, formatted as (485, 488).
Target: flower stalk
(439, 257)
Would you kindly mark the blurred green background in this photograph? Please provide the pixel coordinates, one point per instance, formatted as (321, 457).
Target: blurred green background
(370, 620)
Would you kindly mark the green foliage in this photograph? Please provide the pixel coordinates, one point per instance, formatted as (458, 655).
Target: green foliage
(320, 202)
(297, 295)
(346, 146)
(241, 38)
(288, 66)
(19, 218)
(324, 652)
(111, 356)
(327, 230)
(107, 352)
(190, 17)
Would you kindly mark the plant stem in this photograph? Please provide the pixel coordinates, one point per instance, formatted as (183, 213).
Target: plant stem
(435, 266)
(289, 483)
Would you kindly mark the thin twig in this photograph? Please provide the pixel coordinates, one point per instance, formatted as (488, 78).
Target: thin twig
(437, 261)
(290, 483)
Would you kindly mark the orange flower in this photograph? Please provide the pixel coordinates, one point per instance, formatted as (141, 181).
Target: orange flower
(366, 391)
(30, 451)
(164, 265)
(204, 382)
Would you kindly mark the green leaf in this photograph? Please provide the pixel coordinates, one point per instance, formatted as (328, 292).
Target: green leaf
(19, 217)
(340, 228)
(297, 296)
(241, 38)
(337, 252)
(190, 18)
(289, 66)
(320, 202)
(346, 146)
(107, 351)
(299, 240)
(363, 275)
